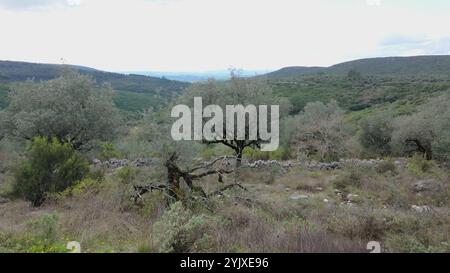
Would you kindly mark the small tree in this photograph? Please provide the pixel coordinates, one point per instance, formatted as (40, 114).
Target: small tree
(426, 131)
(376, 133)
(71, 108)
(51, 166)
(237, 91)
(321, 131)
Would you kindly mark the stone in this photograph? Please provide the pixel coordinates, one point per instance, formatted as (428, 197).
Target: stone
(3, 200)
(425, 185)
(421, 209)
(351, 197)
(297, 196)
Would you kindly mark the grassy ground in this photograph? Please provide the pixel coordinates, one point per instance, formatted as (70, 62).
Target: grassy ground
(295, 210)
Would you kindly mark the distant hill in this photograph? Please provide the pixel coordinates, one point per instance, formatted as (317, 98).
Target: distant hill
(293, 71)
(397, 66)
(20, 71)
(431, 66)
(134, 92)
(372, 82)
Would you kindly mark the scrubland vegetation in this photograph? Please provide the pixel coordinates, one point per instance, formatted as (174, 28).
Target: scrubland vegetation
(342, 176)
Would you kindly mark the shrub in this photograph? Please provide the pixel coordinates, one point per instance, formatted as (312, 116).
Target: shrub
(126, 174)
(84, 186)
(418, 165)
(179, 229)
(109, 151)
(41, 236)
(386, 166)
(426, 131)
(376, 133)
(50, 167)
(352, 178)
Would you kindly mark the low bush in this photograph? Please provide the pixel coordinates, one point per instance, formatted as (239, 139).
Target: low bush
(50, 167)
(386, 166)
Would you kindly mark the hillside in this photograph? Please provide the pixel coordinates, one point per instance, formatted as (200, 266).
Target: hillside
(20, 71)
(433, 66)
(293, 71)
(371, 82)
(417, 66)
(134, 92)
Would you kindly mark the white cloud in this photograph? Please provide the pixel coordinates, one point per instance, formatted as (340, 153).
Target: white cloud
(185, 35)
(37, 4)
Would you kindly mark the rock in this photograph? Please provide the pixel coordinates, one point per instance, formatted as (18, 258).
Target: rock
(319, 188)
(329, 166)
(141, 162)
(421, 209)
(3, 200)
(351, 197)
(96, 161)
(426, 185)
(326, 200)
(297, 196)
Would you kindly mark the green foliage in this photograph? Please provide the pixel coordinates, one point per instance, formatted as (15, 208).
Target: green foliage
(4, 90)
(376, 133)
(127, 174)
(71, 108)
(45, 227)
(41, 236)
(353, 177)
(179, 229)
(109, 151)
(282, 153)
(136, 102)
(425, 131)
(368, 92)
(418, 165)
(236, 91)
(386, 166)
(322, 132)
(82, 187)
(50, 167)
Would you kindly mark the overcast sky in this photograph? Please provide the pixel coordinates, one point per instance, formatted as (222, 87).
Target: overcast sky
(198, 35)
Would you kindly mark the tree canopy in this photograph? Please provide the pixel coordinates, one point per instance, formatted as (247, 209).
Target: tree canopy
(71, 108)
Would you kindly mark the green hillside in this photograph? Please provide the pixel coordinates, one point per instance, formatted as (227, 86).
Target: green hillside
(430, 66)
(356, 94)
(4, 89)
(20, 71)
(134, 92)
(417, 66)
(293, 71)
(360, 84)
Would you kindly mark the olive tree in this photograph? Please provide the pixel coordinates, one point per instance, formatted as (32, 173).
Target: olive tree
(376, 133)
(237, 91)
(426, 131)
(321, 131)
(71, 108)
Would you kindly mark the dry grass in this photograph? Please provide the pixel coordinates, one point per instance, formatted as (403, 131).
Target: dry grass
(262, 219)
